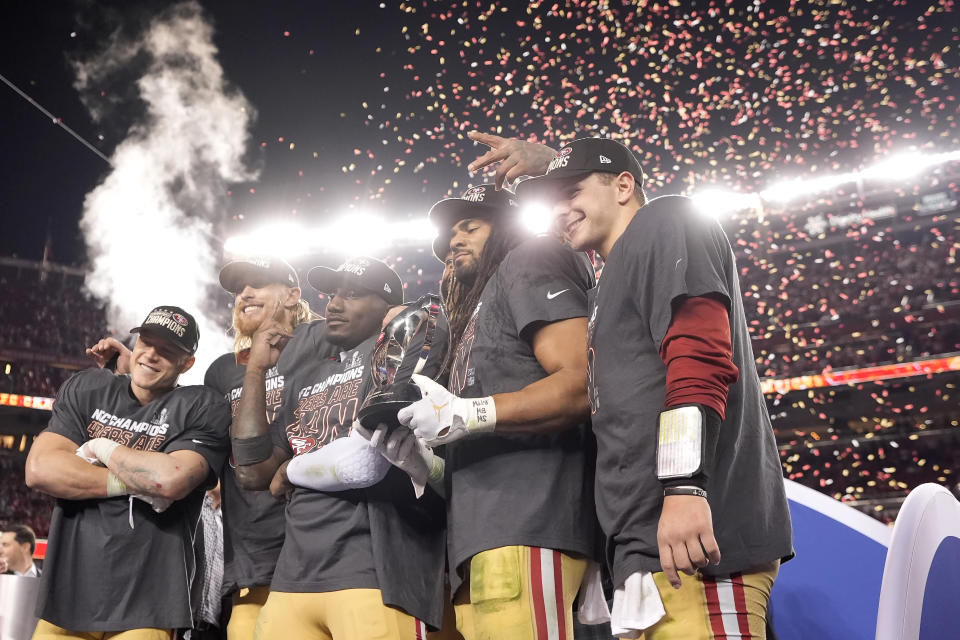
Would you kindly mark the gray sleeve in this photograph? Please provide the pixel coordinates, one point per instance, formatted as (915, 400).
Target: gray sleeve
(677, 253)
(68, 419)
(544, 282)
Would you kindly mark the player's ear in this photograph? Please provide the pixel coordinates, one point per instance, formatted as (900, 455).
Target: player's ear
(625, 184)
(187, 364)
(293, 296)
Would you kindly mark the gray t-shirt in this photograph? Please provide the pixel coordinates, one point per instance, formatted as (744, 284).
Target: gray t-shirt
(666, 253)
(327, 545)
(253, 521)
(532, 490)
(100, 574)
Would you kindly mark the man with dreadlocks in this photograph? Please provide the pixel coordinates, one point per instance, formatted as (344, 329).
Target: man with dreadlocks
(518, 456)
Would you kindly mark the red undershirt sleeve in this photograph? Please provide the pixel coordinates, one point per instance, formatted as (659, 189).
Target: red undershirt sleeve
(698, 354)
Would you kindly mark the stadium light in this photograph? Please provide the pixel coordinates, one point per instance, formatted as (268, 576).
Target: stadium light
(900, 166)
(277, 239)
(713, 202)
(788, 190)
(537, 217)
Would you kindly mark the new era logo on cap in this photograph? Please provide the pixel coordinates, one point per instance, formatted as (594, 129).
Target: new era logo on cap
(605, 160)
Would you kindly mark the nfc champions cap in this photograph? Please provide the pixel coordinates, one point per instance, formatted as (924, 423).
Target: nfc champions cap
(483, 201)
(172, 324)
(579, 159)
(363, 272)
(257, 272)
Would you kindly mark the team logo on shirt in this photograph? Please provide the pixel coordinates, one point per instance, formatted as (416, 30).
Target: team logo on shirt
(325, 410)
(461, 375)
(592, 393)
(136, 434)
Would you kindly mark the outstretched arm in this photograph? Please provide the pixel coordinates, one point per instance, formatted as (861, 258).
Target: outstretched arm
(516, 157)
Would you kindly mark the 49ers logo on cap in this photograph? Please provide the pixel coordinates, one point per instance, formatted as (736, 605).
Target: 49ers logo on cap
(475, 194)
(561, 159)
(180, 319)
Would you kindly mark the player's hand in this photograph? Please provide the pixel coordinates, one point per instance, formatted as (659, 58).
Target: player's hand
(685, 537)
(104, 350)
(280, 486)
(97, 451)
(268, 341)
(406, 452)
(516, 157)
(440, 417)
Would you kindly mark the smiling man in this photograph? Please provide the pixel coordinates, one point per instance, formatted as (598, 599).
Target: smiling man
(688, 475)
(519, 453)
(264, 289)
(361, 561)
(129, 498)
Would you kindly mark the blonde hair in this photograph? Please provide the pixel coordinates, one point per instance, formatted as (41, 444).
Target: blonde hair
(301, 313)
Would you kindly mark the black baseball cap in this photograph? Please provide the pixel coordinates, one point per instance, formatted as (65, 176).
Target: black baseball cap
(172, 324)
(483, 201)
(361, 271)
(579, 159)
(258, 272)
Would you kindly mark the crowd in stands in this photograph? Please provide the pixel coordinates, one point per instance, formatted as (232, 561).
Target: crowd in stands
(19, 503)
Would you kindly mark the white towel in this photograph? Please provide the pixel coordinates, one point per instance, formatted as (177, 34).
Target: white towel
(636, 606)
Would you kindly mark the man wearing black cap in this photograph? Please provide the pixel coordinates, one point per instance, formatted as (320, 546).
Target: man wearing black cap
(513, 419)
(264, 288)
(139, 436)
(364, 562)
(687, 465)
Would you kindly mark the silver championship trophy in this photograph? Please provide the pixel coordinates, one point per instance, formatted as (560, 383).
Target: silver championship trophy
(403, 349)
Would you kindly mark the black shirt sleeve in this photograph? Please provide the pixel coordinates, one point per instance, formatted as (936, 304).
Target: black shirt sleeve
(544, 282)
(207, 434)
(69, 417)
(675, 253)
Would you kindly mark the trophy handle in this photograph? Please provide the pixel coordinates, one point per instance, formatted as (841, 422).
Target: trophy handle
(433, 308)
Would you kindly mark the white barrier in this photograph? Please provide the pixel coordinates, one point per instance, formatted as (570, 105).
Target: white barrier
(18, 599)
(921, 577)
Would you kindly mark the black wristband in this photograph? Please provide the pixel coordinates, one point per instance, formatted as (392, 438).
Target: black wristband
(684, 491)
(247, 451)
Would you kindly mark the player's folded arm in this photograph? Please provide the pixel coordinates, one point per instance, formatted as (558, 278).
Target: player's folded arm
(53, 468)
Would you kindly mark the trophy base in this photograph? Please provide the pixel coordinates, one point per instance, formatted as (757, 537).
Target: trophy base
(381, 407)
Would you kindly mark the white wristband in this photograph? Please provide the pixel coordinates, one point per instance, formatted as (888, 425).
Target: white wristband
(482, 415)
(102, 448)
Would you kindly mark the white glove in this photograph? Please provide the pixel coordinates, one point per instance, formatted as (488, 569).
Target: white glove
(345, 463)
(408, 453)
(98, 450)
(441, 417)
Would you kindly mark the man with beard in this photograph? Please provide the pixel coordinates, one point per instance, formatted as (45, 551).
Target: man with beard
(364, 561)
(513, 419)
(264, 288)
(687, 462)
(139, 436)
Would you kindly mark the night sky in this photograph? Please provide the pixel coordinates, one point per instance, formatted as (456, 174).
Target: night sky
(366, 104)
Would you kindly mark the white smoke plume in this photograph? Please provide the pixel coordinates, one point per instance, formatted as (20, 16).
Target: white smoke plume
(148, 225)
